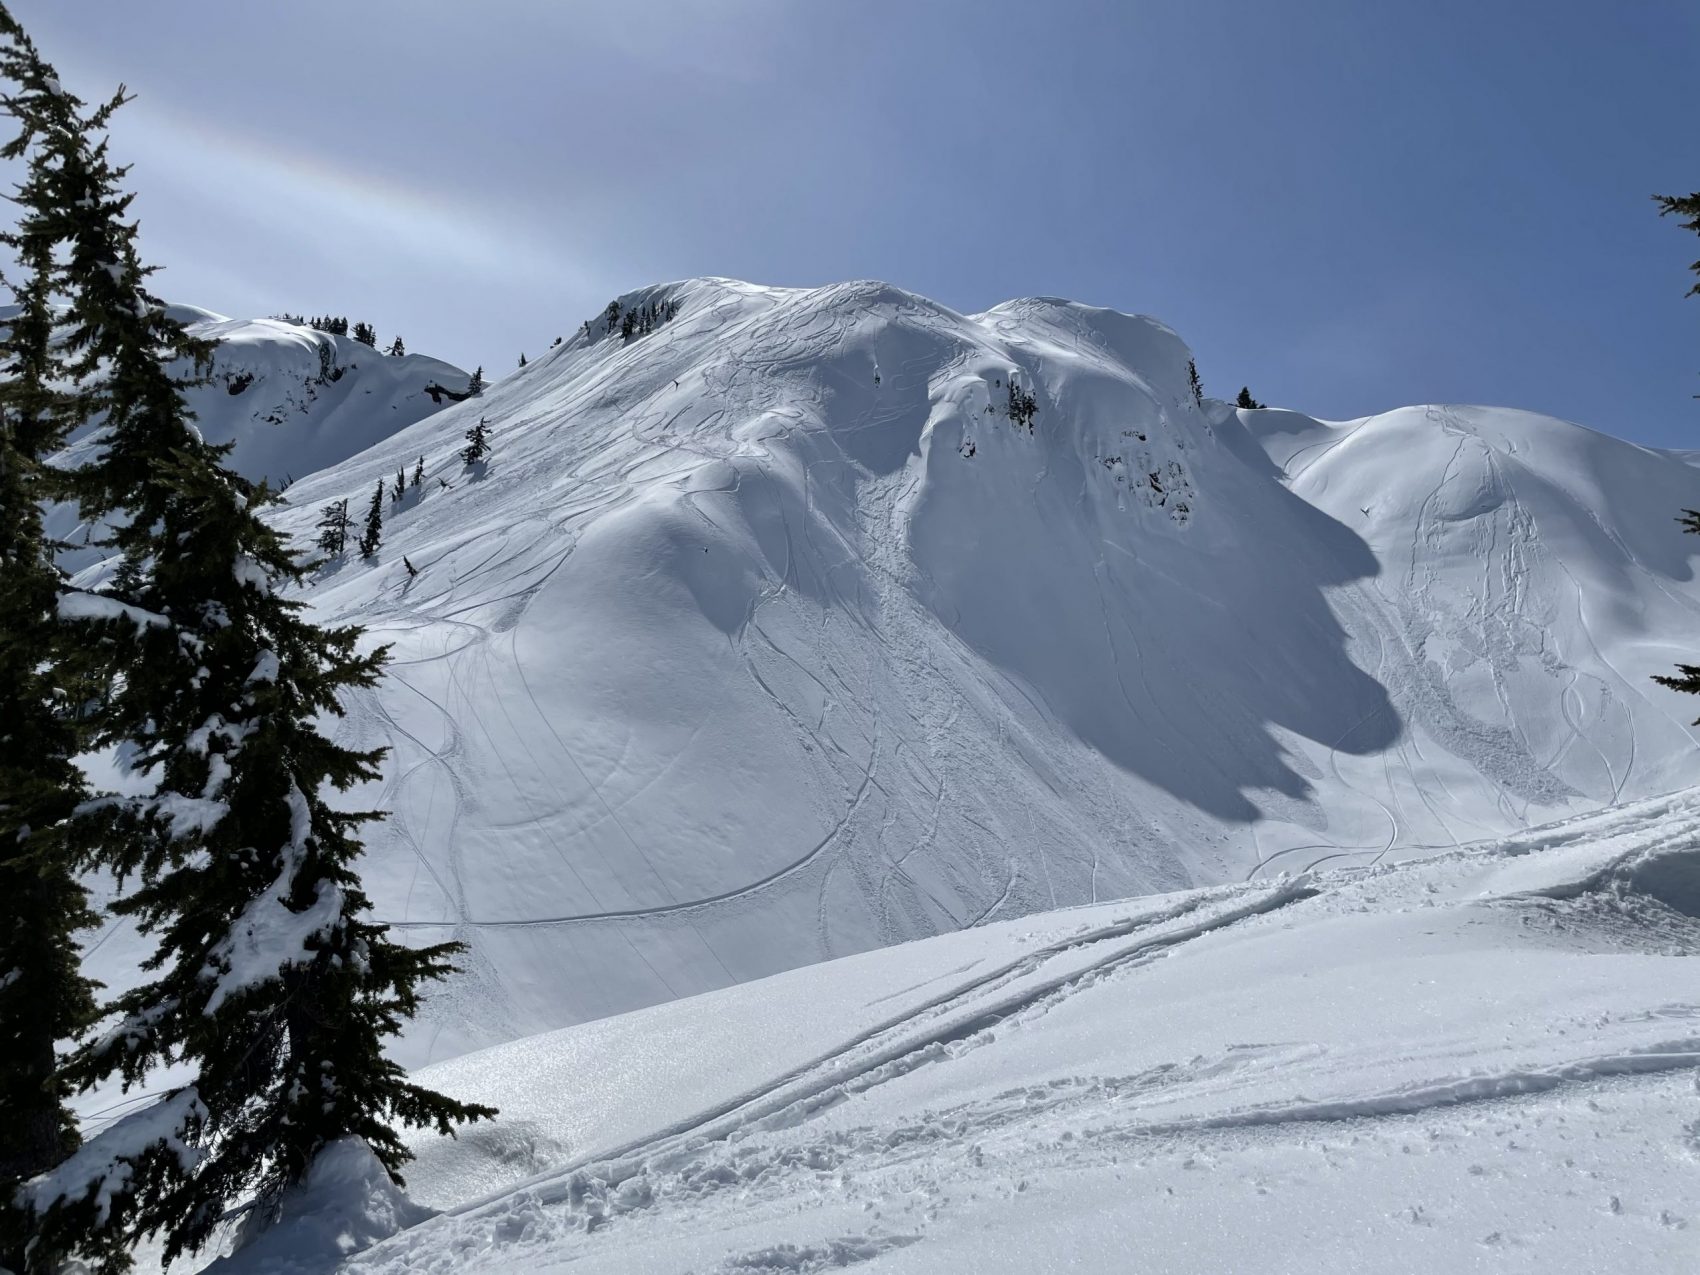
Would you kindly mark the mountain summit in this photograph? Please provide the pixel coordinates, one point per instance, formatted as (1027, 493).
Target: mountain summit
(780, 624)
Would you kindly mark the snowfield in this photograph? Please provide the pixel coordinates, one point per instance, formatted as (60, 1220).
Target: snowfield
(769, 637)
(1480, 1060)
(903, 821)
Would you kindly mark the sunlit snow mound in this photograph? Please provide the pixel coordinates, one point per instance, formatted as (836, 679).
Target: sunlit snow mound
(774, 633)
(1483, 1059)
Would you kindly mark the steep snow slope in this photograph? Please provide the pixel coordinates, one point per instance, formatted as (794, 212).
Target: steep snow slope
(771, 636)
(1484, 1059)
(292, 400)
(1530, 580)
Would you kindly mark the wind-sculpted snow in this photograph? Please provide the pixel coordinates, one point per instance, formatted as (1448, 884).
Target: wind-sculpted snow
(1484, 1059)
(776, 634)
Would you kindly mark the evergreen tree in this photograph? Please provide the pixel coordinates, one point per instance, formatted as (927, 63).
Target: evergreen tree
(400, 488)
(476, 384)
(522, 358)
(1245, 399)
(397, 349)
(1687, 677)
(477, 443)
(1683, 206)
(333, 528)
(1023, 406)
(366, 334)
(43, 996)
(611, 316)
(373, 535)
(1193, 381)
(419, 472)
(269, 981)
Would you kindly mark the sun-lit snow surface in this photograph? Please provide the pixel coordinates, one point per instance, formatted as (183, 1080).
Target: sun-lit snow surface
(1478, 1060)
(769, 637)
(287, 411)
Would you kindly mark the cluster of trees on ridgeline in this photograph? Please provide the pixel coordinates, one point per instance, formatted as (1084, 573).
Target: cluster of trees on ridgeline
(270, 991)
(337, 325)
(635, 321)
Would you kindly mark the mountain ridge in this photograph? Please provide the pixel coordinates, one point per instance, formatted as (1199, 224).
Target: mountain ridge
(774, 633)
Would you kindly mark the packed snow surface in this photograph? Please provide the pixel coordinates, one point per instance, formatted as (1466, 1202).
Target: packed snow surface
(1484, 1059)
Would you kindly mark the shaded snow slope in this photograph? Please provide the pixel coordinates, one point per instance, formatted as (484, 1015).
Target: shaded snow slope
(770, 636)
(1482, 1059)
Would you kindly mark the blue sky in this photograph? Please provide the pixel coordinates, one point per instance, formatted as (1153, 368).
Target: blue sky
(1347, 205)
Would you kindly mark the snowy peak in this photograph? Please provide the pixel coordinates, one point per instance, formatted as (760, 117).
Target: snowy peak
(785, 623)
(289, 399)
(293, 400)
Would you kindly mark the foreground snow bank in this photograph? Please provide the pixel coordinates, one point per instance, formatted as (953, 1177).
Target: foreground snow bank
(347, 1204)
(1481, 1060)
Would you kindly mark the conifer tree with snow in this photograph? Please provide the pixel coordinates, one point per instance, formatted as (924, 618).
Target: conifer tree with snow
(400, 488)
(333, 528)
(44, 997)
(269, 982)
(477, 443)
(1687, 678)
(397, 349)
(476, 384)
(1196, 385)
(366, 334)
(419, 472)
(522, 358)
(1245, 399)
(373, 535)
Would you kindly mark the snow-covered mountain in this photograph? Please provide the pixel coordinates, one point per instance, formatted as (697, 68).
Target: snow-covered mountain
(807, 622)
(776, 634)
(291, 399)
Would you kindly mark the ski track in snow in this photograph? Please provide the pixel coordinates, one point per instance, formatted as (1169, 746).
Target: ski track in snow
(978, 1082)
(769, 637)
(884, 829)
(734, 657)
